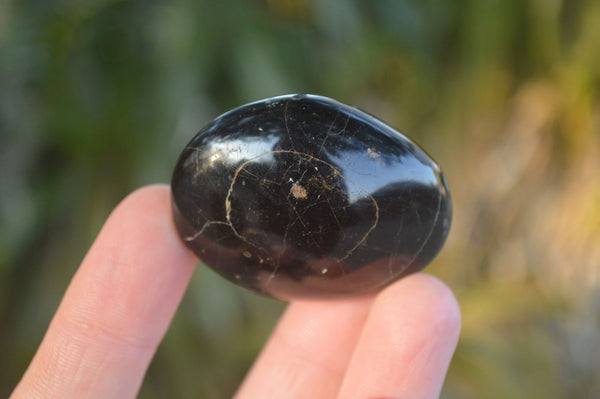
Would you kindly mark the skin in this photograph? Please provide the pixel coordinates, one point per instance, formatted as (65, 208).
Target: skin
(397, 344)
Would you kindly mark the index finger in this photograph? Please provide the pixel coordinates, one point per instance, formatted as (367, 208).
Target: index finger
(117, 307)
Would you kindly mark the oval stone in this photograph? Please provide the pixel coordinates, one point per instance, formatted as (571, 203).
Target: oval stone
(302, 197)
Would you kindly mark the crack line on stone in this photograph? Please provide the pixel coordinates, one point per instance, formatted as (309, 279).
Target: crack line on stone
(204, 227)
(285, 120)
(328, 133)
(243, 165)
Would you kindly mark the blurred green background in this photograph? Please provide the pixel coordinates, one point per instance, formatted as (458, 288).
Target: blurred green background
(98, 98)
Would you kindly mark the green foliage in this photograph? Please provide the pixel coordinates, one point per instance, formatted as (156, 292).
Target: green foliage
(98, 97)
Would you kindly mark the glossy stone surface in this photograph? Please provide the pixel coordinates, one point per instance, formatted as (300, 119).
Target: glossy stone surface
(304, 197)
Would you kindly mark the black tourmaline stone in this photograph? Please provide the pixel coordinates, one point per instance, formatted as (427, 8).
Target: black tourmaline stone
(302, 197)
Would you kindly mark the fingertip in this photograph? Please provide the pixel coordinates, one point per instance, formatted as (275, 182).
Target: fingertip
(407, 342)
(145, 212)
(147, 205)
(426, 296)
(152, 195)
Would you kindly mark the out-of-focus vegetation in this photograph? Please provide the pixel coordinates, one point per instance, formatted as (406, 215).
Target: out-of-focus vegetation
(98, 97)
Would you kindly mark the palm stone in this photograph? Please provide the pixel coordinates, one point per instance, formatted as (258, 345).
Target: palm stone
(302, 197)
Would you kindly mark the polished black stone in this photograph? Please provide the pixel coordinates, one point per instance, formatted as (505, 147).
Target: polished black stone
(304, 197)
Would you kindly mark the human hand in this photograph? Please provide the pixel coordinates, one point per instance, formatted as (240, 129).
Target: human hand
(118, 307)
